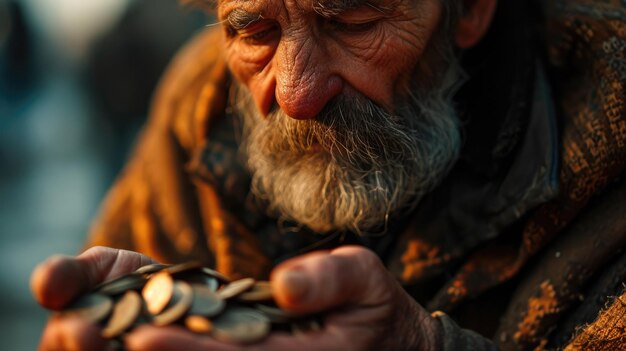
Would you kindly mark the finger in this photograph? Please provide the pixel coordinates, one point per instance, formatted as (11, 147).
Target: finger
(175, 338)
(58, 280)
(322, 280)
(71, 334)
(171, 339)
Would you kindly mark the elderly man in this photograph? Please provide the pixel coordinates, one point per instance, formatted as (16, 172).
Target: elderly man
(426, 173)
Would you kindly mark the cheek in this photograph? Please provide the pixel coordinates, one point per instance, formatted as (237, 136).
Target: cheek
(401, 48)
(246, 61)
(254, 74)
(397, 60)
(405, 46)
(388, 58)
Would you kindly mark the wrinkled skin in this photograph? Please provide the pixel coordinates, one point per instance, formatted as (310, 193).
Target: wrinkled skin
(291, 55)
(370, 311)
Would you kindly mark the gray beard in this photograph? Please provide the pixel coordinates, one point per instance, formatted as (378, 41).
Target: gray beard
(355, 164)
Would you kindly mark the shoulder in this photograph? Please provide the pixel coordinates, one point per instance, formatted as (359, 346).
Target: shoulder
(192, 91)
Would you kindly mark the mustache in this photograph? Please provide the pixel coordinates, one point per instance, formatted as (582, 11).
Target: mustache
(352, 130)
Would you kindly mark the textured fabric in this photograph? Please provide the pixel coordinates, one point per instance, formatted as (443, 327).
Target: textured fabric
(455, 338)
(559, 276)
(584, 311)
(607, 332)
(536, 238)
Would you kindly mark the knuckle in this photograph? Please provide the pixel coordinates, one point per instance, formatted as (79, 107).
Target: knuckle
(368, 258)
(364, 258)
(99, 251)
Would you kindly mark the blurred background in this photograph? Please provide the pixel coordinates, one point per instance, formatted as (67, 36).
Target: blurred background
(76, 77)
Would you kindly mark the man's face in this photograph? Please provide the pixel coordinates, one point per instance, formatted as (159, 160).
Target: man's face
(346, 105)
(302, 53)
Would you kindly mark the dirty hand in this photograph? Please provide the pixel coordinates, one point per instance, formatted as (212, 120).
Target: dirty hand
(364, 309)
(60, 279)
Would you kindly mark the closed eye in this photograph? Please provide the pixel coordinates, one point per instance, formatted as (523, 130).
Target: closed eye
(258, 34)
(350, 27)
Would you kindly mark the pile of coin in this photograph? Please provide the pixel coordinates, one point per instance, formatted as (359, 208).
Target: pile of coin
(199, 298)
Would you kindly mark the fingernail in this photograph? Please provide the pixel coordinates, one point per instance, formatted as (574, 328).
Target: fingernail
(296, 284)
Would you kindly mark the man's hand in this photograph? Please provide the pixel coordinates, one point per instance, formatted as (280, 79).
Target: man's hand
(365, 309)
(60, 279)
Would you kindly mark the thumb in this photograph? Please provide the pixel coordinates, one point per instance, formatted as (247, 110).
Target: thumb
(59, 279)
(323, 280)
(71, 334)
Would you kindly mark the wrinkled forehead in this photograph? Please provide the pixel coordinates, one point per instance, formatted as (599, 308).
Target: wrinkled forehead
(303, 3)
(324, 6)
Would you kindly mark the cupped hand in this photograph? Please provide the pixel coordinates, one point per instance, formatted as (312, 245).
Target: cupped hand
(60, 279)
(365, 309)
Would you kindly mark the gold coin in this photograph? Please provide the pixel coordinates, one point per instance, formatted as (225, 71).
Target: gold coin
(199, 324)
(240, 325)
(125, 313)
(158, 292)
(235, 288)
(119, 285)
(261, 291)
(180, 304)
(93, 307)
(205, 302)
(151, 268)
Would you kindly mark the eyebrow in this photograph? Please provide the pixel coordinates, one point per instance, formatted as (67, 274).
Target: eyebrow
(240, 19)
(331, 8)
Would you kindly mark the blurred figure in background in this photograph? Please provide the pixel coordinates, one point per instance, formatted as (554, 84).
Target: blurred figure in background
(17, 73)
(124, 65)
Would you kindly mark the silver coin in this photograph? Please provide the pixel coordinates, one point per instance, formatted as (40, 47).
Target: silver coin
(206, 302)
(240, 325)
(200, 278)
(93, 307)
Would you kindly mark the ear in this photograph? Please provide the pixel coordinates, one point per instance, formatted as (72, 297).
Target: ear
(473, 22)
